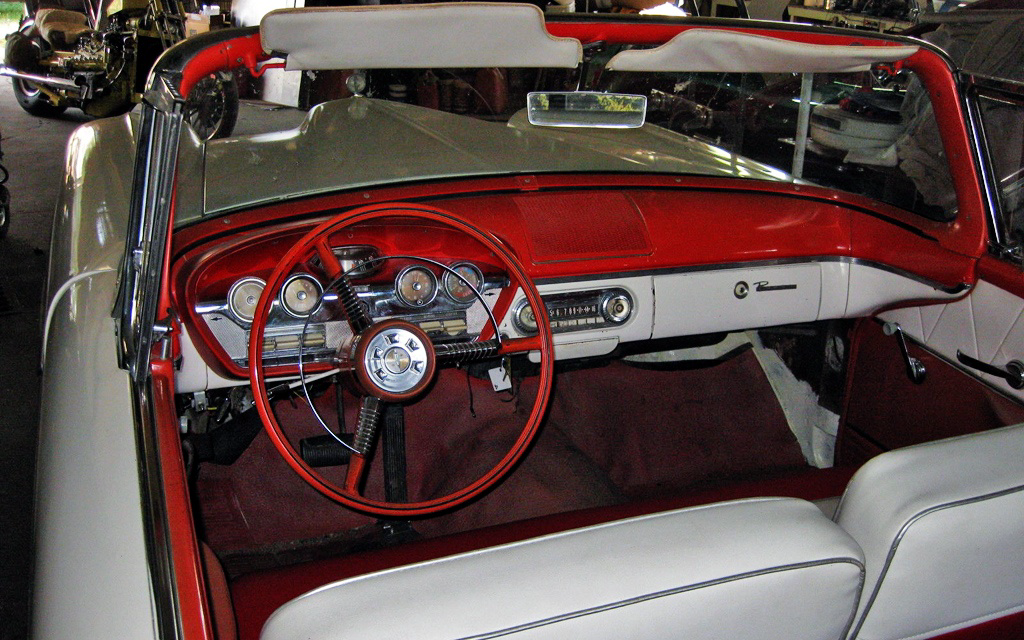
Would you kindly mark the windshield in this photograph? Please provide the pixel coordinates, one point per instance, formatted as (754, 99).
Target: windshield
(870, 133)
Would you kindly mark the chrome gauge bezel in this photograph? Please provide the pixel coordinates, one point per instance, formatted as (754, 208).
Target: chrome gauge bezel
(232, 307)
(451, 280)
(292, 278)
(411, 304)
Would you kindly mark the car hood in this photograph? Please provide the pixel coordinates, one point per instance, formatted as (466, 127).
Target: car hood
(362, 142)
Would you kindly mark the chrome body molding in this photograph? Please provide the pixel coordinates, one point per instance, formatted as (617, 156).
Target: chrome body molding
(51, 308)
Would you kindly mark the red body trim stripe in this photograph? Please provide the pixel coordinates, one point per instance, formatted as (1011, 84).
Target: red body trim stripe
(190, 581)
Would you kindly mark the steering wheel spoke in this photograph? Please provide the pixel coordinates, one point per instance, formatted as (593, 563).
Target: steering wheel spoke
(355, 313)
(369, 421)
(370, 410)
(330, 262)
(450, 354)
(511, 346)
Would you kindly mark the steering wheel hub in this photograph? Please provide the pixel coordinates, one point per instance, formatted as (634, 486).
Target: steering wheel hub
(398, 360)
(394, 360)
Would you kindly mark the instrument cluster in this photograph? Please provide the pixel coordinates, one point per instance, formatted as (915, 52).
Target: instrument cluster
(446, 299)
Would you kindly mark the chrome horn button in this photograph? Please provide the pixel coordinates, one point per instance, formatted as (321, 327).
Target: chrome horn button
(396, 360)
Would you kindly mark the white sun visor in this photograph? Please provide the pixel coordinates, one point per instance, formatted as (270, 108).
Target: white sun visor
(457, 34)
(714, 50)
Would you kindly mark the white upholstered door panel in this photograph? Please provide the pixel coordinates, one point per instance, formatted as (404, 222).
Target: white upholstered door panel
(988, 325)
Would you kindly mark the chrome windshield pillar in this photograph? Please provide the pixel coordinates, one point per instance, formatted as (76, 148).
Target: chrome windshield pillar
(149, 223)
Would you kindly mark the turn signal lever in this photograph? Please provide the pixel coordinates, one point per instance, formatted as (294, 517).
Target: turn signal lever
(915, 368)
(1013, 373)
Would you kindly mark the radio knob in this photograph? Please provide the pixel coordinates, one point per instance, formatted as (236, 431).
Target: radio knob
(617, 308)
(524, 319)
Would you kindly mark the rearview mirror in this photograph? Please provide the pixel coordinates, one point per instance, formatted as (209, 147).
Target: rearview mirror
(586, 109)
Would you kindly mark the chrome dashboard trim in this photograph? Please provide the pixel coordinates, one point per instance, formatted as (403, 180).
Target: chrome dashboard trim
(958, 289)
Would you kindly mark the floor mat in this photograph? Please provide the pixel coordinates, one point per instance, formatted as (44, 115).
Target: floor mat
(614, 434)
(660, 432)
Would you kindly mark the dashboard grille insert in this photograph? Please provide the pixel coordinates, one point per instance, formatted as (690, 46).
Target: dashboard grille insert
(573, 226)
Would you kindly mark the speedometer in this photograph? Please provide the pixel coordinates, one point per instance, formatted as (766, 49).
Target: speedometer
(300, 295)
(416, 286)
(461, 287)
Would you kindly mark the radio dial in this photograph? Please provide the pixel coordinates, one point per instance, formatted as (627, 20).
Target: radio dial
(617, 308)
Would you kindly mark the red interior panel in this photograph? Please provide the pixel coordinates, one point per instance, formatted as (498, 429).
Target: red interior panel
(583, 225)
(909, 249)
(1003, 274)
(885, 410)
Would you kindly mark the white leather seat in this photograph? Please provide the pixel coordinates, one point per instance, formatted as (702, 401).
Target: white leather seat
(942, 528)
(763, 568)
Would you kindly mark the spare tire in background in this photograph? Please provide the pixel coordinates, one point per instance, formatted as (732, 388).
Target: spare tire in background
(211, 107)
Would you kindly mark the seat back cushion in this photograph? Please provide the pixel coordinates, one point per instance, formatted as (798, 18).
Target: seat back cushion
(765, 568)
(61, 28)
(942, 529)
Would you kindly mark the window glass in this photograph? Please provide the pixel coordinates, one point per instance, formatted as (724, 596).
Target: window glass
(872, 133)
(1003, 122)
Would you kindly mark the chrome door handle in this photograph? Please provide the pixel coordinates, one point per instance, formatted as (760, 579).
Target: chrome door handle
(1013, 373)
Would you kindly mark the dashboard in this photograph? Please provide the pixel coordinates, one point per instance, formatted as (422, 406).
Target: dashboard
(613, 267)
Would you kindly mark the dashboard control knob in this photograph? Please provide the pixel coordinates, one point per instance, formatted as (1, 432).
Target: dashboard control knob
(616, 308)
(524, 318)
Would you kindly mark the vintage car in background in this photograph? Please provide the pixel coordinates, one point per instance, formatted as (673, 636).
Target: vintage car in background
(516, 340)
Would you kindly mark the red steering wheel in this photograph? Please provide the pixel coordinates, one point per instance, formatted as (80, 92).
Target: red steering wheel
(411, 359)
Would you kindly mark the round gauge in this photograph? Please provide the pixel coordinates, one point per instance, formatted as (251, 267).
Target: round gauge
(243, 296)
(461, 289)
(416, 286)
(300, 295)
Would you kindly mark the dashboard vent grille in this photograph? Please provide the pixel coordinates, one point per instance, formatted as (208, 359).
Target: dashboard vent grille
(574, 226)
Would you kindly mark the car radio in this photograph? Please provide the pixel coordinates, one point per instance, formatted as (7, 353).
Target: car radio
(577, 311)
